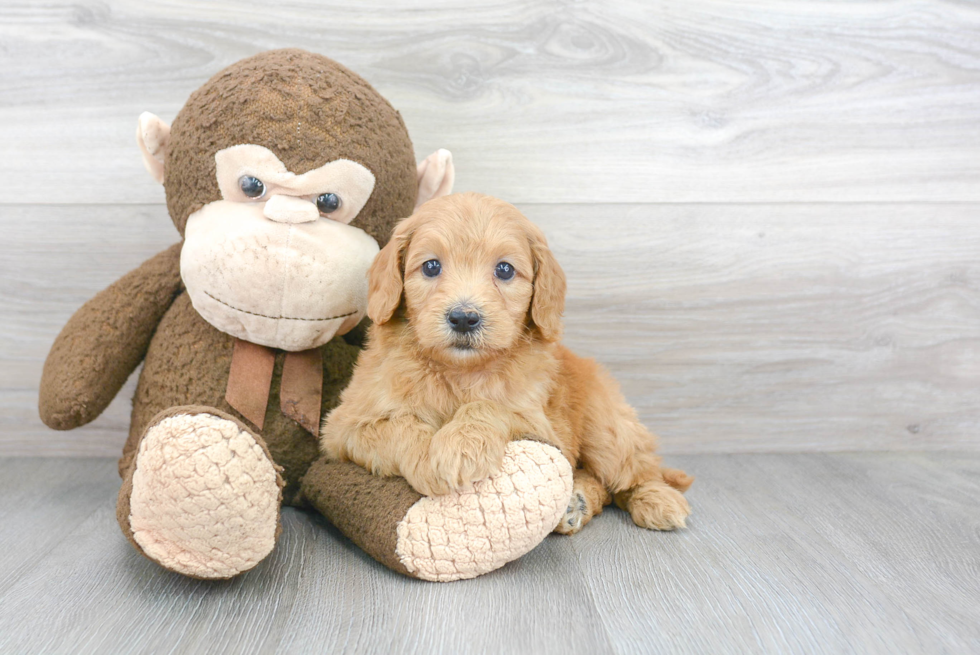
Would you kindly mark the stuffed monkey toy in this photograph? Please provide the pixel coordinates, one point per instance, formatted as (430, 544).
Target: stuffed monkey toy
(284, 174)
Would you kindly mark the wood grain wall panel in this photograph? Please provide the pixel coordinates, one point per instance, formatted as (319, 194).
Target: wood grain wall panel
(781, 327)
(732, 328)
(540, 101)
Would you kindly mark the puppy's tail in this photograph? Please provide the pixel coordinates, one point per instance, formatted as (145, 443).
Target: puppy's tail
(677, 479)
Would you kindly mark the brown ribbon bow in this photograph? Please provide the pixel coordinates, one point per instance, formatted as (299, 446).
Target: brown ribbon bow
(300, 393)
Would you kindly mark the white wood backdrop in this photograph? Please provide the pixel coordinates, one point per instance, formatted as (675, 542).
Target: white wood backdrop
(767, 210)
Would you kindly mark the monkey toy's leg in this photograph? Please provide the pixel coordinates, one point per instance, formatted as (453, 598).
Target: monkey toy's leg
(443, 538)
(201, 497)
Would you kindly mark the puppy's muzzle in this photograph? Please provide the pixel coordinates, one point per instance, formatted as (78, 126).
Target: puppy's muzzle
(464, 320)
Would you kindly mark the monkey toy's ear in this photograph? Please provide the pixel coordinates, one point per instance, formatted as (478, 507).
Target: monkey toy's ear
(435, 175)
(153, 137)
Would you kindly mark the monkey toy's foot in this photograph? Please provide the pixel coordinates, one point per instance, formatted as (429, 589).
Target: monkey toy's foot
(443, 538)
(202, 497)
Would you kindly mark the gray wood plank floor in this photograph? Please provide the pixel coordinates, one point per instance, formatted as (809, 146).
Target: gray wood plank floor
(793, 553)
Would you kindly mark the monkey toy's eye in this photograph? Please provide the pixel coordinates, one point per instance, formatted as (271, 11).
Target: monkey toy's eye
(431, 268)
(504, 271)
(328, 202)
(252, 187)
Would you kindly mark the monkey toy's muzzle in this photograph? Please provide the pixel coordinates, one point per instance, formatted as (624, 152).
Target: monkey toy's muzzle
(288, 285)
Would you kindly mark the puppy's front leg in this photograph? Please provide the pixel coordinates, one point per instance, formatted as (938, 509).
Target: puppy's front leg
(470, 447)
(396, 445)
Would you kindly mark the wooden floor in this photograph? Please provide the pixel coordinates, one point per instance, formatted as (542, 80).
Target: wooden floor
(768, 215)
(812, 553)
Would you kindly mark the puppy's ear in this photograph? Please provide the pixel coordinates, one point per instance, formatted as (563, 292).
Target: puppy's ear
(548, 301)
(385, 276)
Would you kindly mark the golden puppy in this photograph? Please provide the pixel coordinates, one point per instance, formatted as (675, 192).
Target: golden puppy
(463, 357)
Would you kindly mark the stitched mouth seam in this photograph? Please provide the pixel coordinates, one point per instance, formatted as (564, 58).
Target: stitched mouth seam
(278, 318)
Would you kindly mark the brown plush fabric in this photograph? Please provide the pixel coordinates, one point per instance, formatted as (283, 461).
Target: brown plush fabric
(188, 362)
(358, 336)
(104, 342)
(307, 109)
(347, 494)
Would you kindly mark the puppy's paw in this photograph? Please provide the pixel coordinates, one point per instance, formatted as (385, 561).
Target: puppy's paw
(655, 506)
(576, 515)
(462, 453)
(589, 496)
(424, 480)
(588, 499)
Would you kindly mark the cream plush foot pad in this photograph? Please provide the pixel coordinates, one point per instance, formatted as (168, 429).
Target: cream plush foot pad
(465, 534)
(205, 498)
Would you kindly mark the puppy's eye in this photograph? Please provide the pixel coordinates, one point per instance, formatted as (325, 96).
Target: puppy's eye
(328, 202)
(504, 271)
(252, 187)
(431, 268)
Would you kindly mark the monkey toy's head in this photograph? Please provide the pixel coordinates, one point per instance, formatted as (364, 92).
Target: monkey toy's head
(284, 173)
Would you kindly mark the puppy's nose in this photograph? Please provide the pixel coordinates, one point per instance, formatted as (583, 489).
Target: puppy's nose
(463, 320)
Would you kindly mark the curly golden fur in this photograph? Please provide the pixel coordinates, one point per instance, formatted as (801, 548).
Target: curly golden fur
(437, 404)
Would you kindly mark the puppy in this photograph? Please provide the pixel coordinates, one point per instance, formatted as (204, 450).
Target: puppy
(463, 357)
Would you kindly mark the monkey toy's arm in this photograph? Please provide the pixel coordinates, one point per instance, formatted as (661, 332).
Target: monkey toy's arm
(105, 341)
